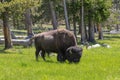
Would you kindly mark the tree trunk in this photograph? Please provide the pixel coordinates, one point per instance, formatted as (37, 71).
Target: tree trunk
(91, 32)
(66, 15)
(53, 14)
(91, 29)
(28, 22)
(14, 21)
(74, 25)
(83, 37)
(117, 27)
(13, 35)
(17, 23)
(79, 32)
(100, 32)
(74, 22)
(86, 32)
(6, 30)
(117, 17)
(95, 28)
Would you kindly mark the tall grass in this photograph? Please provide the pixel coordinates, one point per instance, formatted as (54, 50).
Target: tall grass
(96, 64)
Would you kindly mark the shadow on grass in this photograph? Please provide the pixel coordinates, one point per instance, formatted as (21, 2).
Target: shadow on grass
(2, 51)
(57, 62)
(51, 61)
(47, 61)
(9, 51)
(110, 37)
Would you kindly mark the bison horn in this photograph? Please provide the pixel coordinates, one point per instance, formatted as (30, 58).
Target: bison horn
(70, 51)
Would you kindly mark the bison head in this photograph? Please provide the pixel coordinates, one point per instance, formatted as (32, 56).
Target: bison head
(73, 54)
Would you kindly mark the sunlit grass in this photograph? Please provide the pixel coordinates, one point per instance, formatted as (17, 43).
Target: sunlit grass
(96, 64)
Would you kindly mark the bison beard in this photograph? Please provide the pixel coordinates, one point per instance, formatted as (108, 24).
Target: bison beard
(54, 41)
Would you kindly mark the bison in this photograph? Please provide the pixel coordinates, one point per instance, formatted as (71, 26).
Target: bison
(73, 54)
(54, 41)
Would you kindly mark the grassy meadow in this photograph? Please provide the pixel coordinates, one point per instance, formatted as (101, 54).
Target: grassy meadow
(96, 64)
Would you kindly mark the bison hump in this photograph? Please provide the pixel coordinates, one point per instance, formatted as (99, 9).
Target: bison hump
(48, 37)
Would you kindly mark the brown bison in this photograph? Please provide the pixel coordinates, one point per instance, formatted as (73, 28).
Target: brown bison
(54, 41)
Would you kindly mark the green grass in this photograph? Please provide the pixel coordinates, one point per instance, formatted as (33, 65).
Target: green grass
(96, 64)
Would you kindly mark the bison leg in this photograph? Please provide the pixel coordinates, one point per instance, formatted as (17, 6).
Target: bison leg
(43, 55)
(60, 57)
(48, 54)
(36, 54)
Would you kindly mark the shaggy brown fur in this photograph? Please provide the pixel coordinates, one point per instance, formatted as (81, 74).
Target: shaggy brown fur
(54, 41)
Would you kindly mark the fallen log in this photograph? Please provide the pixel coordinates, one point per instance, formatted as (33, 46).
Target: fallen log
(25, 42)
(17, 37)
